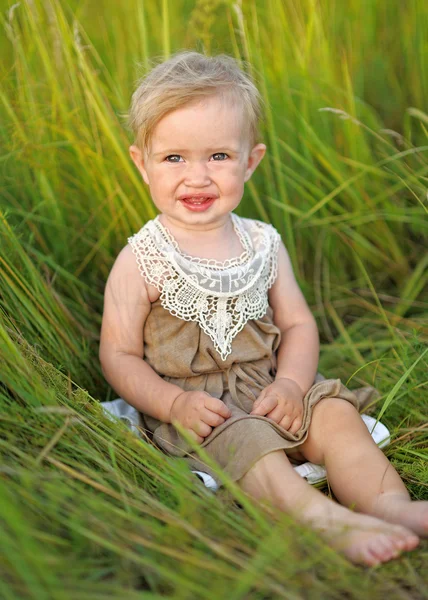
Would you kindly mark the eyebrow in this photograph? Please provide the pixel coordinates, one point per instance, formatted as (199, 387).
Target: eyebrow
(181, 150)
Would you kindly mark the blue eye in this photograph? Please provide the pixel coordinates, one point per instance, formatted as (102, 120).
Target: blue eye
(220, 154)
(173, 156)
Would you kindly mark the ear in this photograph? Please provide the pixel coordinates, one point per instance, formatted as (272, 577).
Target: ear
(138, 158)
(254, 159)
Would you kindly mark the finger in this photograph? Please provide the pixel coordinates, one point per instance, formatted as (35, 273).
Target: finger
(295, 425)
(198, 439)
(201, 428)
(277, 414)
(217, 406)
(266, 405)
(286, 422)
(211, 418)
(260, 398)
(282, 411)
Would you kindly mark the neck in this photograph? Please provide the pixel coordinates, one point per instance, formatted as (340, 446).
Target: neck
(208, 231)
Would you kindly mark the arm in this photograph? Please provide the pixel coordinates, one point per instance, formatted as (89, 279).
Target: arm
(297, 358)
(126, 307)
(298, 352)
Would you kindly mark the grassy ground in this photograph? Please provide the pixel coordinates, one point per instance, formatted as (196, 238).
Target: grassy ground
(88, 511)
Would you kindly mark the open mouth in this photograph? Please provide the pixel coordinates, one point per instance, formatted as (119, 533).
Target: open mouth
(197, 202)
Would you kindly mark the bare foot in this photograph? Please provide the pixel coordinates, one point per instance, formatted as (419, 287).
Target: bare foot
(363, 539)
(397, 508)
(367, 540)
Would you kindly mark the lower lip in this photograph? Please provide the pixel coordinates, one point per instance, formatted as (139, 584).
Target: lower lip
(198, 207)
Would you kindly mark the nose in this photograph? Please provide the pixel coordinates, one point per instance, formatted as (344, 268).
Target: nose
(197, 174)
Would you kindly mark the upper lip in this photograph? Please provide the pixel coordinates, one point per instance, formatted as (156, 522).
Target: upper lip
(197, 196)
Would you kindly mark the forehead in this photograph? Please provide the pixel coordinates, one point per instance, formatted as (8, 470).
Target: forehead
(209, 122)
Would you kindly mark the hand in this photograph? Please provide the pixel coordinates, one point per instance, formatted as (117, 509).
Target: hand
(198, 412)
(281, 401)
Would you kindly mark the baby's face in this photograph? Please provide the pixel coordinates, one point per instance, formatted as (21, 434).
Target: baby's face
(198, 162)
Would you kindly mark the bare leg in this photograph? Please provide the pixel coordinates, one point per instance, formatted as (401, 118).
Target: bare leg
(358, 471)
(362, 539)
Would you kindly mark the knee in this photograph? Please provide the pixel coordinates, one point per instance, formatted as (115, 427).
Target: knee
(332, 412)
(331, 417)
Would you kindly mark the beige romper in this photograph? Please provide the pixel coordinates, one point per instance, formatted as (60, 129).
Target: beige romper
(178, 348)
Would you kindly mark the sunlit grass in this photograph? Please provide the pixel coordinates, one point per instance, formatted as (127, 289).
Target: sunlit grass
(88, 510)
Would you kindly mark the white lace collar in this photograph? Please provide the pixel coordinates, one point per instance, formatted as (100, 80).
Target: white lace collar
(239, 229)
(221, 296)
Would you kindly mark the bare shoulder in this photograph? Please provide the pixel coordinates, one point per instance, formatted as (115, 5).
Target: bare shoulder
(127, 305)
(125, 264)
(285, 276)
(126, 280)
(285, 296)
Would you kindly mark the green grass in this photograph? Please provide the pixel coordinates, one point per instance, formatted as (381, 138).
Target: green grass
(87, 510)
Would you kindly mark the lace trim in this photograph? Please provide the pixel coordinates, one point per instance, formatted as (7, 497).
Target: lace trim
(220, 296)
(242, 234)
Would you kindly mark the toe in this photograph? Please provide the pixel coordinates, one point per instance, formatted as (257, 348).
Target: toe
(404, 539)
(364, 556)
(372, 560)
(381, 548)
(390, 548)
(412, 542)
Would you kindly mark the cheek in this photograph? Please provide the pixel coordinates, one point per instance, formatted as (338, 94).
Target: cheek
(162, 178)
(231, 173)
(235, 179)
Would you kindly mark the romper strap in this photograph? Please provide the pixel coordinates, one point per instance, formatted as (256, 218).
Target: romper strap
(237, 378)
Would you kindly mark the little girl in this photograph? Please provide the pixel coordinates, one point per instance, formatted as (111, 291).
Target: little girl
(205, 326)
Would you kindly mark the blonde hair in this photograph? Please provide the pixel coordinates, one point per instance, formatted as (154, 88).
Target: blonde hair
(190, 77)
